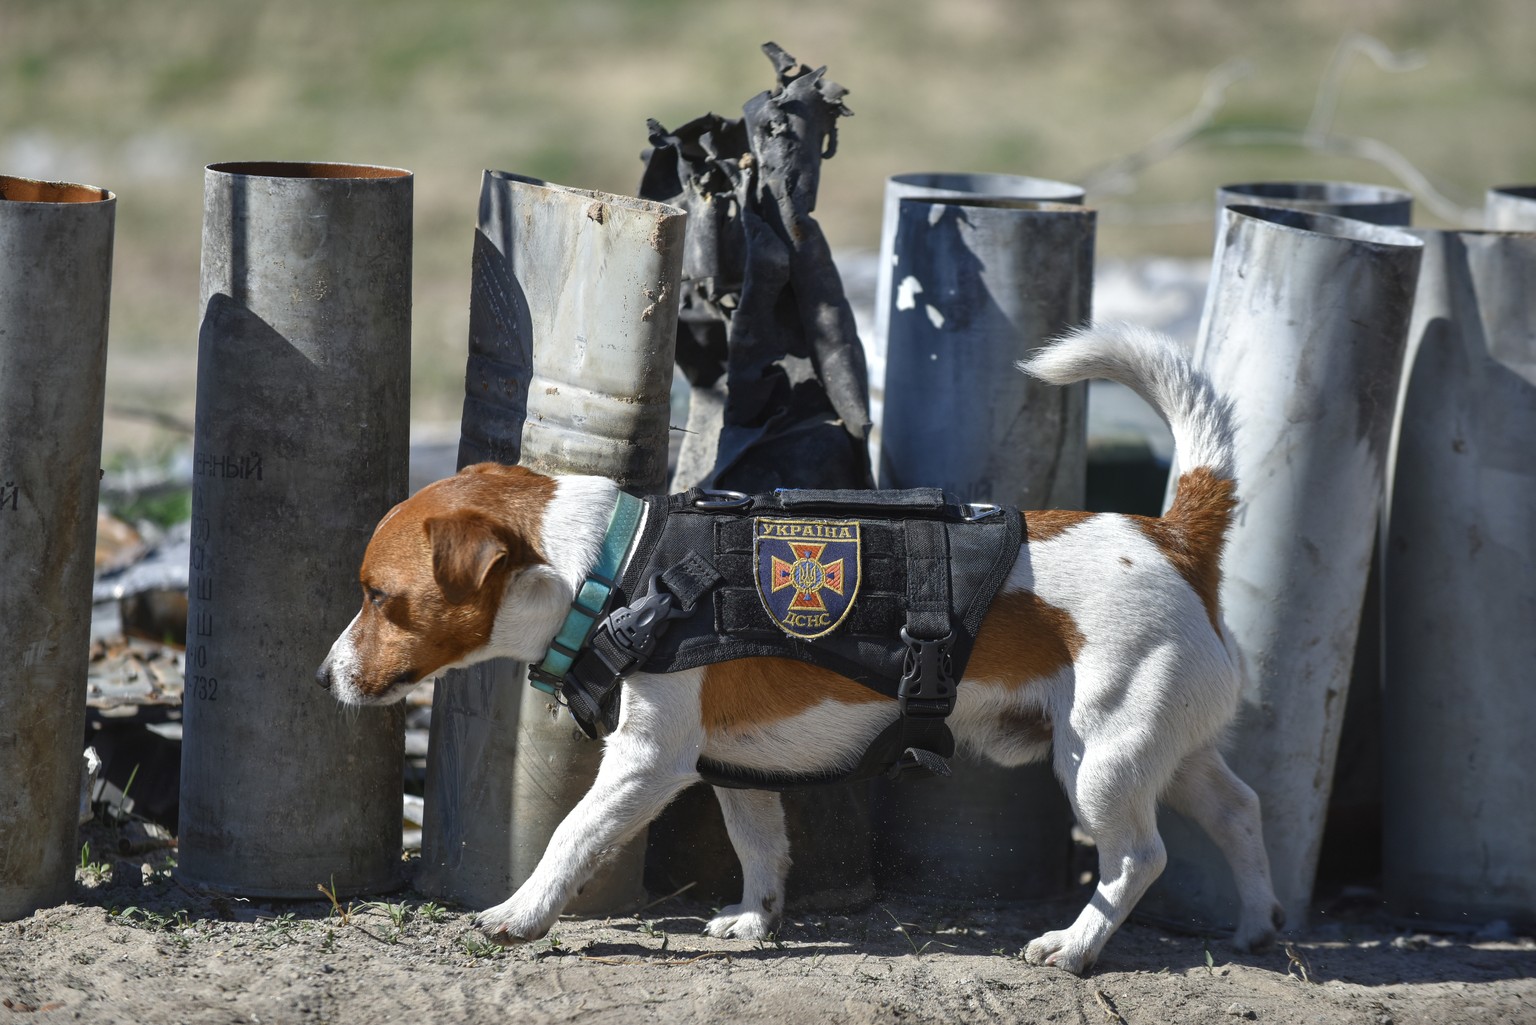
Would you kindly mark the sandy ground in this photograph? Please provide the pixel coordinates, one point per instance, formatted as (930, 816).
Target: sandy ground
(136, 946)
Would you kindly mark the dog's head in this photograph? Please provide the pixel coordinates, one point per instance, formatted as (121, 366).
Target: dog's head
(454, 575)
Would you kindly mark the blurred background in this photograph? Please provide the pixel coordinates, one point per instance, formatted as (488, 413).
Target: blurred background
(1152, 105)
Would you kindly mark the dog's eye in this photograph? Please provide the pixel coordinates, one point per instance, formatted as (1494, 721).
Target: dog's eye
(375, 597)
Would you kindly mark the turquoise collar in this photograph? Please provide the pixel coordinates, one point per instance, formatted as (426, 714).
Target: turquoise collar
(592, 597)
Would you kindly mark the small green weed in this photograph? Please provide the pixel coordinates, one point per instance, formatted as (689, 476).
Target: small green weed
(481, 949)
(902, 928)
(344, 915)
(398, 914)
(177, 925)
(552, 948)
(95, 871)
(278, 931)
(145, 918)
(650, 929)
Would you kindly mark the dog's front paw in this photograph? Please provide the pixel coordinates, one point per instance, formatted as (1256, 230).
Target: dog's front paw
(1259, 934)
(738, 922)
(507, 925)
(1060, 950)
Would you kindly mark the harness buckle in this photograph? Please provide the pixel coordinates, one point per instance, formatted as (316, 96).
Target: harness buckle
(709, 498)
(541, 679)
(636, 627)
(927, 675)
(973, 512)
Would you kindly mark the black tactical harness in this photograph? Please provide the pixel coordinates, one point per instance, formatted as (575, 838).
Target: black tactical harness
(887, 588)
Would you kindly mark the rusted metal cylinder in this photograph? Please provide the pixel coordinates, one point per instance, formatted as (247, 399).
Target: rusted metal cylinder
(302, 424)
(573, 318)
(1460, 597)
(1510, 208)
(980, 284)
(56, 250)
(1305, 334)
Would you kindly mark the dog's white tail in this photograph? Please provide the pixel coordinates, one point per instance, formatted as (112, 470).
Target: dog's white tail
(1194, 529)
(1156, 368)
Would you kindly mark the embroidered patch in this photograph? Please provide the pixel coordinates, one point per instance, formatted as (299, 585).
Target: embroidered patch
(807, 573)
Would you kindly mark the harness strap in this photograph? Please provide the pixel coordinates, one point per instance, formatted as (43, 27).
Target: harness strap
(625, 639)
(889, 755)
(927, 689)
(927, 579)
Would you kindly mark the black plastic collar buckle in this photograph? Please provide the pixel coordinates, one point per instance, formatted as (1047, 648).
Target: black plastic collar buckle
(927, 676)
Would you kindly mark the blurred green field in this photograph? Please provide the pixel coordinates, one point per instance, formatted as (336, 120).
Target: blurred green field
(138, 96)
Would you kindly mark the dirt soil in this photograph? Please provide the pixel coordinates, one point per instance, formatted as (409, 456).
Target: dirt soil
(136, 946)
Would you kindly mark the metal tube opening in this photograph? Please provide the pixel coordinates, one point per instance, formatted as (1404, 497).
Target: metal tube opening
(991, 184)
(29, 190)
(1332, 193)
(298, 169)
(1346, 228)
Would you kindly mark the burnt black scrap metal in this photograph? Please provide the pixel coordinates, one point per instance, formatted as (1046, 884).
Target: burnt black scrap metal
(762, 306)
(762, 302)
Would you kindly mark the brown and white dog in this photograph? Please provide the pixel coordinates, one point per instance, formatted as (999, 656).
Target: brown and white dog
(1105, 651)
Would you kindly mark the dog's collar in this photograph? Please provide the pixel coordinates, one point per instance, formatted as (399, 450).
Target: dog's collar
(592, 597)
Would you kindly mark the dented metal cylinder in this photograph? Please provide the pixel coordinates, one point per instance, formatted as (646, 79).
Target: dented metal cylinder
(1459, 594)
(1510, 208)
(957, 186)
(947, 185)
(56, 251)
(980, 284)
(302, 422)
(1304, 333)
(1374, 204)
(1353, 834)
(573, 319)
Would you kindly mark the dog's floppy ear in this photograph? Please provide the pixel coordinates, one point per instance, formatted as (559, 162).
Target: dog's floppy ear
(465, 550)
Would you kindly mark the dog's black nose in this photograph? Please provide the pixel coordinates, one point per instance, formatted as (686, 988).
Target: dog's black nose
(323, 675)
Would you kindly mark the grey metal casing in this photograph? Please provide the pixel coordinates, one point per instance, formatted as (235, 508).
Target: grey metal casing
(946, 185)
(1510, 208)
(1459, 591)
(56, 248)
(1305, 333)
(981, 283)
(956, 185)
(303, 410)
(573, 316)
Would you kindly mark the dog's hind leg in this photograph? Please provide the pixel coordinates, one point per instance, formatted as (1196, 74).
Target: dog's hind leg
(1206, 790)
(755, 821)
(1120, 813)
